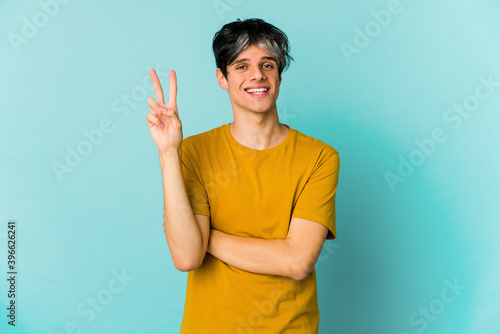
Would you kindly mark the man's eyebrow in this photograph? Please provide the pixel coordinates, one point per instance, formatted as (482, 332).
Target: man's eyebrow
(246, 59)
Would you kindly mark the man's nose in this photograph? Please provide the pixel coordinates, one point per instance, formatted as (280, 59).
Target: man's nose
(257, 73)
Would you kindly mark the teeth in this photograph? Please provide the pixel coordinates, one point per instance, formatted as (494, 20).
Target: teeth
(257, 90)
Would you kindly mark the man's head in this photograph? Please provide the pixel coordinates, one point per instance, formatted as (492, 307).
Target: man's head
(236, 36)
(250, 57)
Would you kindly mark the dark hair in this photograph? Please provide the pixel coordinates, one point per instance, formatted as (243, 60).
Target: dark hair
(236, 36)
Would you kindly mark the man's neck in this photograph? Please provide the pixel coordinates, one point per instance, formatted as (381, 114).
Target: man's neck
(257, 132)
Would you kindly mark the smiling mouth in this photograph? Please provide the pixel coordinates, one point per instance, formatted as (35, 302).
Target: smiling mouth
(257, 92)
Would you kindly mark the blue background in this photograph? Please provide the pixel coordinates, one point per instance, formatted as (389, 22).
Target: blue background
(399, 244)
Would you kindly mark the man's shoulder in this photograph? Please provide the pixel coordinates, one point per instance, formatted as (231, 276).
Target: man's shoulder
(204, 138)
(311, 144)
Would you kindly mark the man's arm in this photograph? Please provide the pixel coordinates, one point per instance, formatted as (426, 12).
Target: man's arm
(186, 233)
(292, 257)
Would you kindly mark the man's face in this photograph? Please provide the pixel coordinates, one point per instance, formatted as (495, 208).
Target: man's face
(252, 81)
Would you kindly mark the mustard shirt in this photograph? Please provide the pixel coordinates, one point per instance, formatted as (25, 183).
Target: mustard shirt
(255, 193)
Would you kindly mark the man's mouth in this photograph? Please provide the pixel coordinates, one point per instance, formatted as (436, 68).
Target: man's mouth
(257, 92)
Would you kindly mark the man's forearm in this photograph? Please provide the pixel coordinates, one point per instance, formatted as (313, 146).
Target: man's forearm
(183, 234)
(262, 256)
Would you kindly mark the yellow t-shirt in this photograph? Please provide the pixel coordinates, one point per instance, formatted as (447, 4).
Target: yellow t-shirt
(255, 193)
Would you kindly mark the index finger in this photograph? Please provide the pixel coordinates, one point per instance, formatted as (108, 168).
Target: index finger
(157, 85)
(172, 93)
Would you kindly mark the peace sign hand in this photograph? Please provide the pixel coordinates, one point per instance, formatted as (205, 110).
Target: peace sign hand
(163, 120)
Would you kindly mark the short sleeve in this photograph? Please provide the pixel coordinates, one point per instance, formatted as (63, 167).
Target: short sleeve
(195, 189)
(316, 202)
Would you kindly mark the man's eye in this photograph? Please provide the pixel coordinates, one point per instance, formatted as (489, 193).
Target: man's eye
(268, 66)
(240, 67)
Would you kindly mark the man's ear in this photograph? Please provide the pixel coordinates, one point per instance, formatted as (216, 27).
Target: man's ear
(221, 79)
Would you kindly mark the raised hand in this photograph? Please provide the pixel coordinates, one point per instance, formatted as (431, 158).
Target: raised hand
(163, 120)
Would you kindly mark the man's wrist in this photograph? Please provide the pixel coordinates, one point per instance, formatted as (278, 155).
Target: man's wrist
(170, 153)
(211, 240)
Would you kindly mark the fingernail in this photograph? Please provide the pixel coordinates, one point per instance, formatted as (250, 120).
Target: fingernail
(162, 110)
(161, 125)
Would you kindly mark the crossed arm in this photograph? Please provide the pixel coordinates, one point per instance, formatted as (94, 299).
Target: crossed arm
(293, 257)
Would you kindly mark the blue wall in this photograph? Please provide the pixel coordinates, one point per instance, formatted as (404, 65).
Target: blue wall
(407, 91)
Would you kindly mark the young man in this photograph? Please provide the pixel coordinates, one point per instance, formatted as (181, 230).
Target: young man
(249, 204)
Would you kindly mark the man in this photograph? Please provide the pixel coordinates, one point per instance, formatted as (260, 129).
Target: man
(248, 205)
